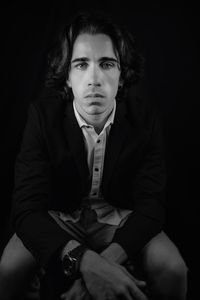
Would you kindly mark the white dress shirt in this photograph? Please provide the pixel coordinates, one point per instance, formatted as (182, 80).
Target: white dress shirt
(95, 145)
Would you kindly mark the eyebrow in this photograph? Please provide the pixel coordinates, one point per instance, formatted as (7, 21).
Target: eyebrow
(102, 59)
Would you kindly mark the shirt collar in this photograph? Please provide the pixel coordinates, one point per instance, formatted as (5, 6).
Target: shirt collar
(82, 122)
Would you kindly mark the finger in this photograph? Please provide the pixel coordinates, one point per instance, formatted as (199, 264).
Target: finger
(76, 294)
(70, 293)
(140, 283)
(126, 295)
(67, 296)
(136, 293)
(63, 296)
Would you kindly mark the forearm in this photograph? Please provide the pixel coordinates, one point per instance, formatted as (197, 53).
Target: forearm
(117, 251)
(136, 233)
(41, 235)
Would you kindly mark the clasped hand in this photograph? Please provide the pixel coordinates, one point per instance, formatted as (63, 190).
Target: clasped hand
(103, 280)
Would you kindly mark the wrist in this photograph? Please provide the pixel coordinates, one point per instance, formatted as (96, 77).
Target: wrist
(71, 261)
(72, 244)
(86, 261)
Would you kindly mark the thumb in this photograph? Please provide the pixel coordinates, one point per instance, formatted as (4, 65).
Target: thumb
(63, 296)
(139, 283)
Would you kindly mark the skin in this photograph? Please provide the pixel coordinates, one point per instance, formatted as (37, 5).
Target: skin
(94, 70)
(108, 280)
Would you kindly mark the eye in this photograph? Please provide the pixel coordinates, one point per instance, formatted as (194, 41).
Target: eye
(107, 65)
(81, 66)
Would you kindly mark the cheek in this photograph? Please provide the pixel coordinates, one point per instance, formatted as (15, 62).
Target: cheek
(113, 82)
(77, 84)
(113, 78)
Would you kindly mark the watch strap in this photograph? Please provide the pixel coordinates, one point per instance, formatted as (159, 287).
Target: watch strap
(74, 256)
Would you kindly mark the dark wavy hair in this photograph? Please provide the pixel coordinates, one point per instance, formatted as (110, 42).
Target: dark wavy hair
(93, 22)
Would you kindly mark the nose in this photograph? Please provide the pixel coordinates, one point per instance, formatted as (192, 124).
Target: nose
(94, 76)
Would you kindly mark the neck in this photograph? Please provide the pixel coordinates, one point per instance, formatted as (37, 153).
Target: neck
(97, 120)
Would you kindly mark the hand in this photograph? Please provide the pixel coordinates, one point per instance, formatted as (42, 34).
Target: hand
(116, 254)
(76, 292)
(108, 280)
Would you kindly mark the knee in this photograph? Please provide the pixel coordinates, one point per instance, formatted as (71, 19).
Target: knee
(5, 278)
(165, 268)
(162, 260)
(170, 280)
(175, 268)
(178, 266)
(17, 266)
(172, 267)
(14, 283)
(6, 271)
(8, 275)
(10, 270)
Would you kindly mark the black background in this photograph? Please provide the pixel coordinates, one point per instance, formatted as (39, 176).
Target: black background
(168, 36)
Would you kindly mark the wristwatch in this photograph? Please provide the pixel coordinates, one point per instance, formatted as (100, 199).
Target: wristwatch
(71, 261)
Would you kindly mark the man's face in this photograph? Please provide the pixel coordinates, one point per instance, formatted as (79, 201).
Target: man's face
(94, 74)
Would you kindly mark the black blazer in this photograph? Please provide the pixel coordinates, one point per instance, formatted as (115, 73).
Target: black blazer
(51, 172)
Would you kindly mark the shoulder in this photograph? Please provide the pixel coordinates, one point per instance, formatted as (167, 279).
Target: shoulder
(50, 104)
(140, 111)
(49, 100)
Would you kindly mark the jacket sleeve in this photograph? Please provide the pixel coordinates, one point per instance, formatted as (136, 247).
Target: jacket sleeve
(148, 190)
(37, 230)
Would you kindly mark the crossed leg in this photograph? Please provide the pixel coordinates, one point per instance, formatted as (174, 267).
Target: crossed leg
(165, 269)
(18, 272)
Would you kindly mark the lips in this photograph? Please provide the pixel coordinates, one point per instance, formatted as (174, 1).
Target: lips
(94, 95)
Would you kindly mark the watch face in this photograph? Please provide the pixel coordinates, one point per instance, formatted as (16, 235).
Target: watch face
(68, 265)
(72, 259)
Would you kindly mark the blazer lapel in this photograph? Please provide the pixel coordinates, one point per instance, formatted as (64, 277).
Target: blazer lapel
(120, 133)
(76, 144)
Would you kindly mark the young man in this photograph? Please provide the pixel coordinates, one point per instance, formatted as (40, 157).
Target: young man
(90, 177)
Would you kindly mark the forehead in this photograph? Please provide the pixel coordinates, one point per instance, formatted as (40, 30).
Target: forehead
(93, 46)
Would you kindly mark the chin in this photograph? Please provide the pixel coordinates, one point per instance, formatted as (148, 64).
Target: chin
(94, 111)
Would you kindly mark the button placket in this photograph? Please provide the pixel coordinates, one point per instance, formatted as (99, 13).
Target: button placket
(97, 167)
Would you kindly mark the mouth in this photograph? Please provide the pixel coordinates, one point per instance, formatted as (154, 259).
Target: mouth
(94, 95)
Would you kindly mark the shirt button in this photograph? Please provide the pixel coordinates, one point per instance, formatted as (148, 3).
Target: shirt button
(98, 141)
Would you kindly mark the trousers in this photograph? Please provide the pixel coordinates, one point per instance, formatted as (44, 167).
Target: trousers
(162, 264)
